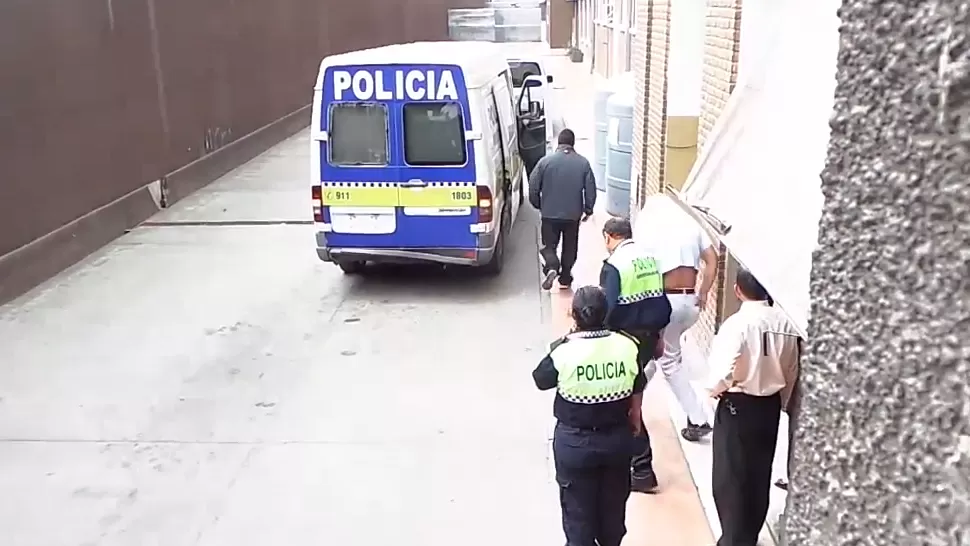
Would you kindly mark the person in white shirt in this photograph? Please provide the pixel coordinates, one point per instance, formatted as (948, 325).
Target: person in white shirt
(754, 366)
(688, 261)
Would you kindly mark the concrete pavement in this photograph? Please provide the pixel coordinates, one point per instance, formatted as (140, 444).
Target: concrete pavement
(205, 380)
(675, 516)
(684, 512)
(213, 385)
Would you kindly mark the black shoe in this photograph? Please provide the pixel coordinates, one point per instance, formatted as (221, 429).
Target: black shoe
(694, 433)
(782, 484)
(565, 282)
(644, 484)
(547, 280)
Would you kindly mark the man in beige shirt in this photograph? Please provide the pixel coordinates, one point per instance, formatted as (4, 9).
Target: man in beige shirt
(754, 365)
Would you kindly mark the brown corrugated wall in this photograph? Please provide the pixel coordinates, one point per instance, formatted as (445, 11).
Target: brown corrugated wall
(101, 97)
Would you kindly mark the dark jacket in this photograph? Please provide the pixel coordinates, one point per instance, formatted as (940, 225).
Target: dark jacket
(651, 314)
(562, 185)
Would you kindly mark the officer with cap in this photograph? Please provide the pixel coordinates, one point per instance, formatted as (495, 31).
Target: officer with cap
(634, 289)
(599, 379)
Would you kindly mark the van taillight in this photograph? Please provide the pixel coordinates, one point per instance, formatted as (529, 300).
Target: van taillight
(317, 196)
(484, 204)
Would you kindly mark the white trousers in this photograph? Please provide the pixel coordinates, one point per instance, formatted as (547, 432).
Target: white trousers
(684, 313)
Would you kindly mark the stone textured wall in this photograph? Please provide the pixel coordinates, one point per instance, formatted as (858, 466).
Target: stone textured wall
(722, 42)
(650, 51)
(882, 442)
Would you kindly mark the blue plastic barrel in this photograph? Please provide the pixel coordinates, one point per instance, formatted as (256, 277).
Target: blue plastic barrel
(603, 90)
(619, 148)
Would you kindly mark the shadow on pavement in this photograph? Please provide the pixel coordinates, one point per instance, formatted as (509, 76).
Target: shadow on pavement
(456, 283)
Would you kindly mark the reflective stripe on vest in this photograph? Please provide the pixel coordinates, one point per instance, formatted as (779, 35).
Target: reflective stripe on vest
(640, 279)
(596, 367)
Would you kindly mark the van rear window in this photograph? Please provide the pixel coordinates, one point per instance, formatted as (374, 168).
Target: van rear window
(434, 134)
(358, 134)
(522, 69)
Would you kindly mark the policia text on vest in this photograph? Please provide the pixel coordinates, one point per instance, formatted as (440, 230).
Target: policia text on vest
(599, 381)
(599, 372)
(634, 290)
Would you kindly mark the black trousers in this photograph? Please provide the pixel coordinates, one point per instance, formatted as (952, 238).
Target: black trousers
(593, 473)
(551, 230)
(642, 464)
(744, 440)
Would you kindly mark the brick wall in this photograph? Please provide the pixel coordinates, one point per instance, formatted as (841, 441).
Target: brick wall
(721, 46)
(640, 63)
(650, 48)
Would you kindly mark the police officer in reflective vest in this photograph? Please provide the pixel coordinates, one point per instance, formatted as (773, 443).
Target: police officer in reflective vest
(599, 379)
(634, 289)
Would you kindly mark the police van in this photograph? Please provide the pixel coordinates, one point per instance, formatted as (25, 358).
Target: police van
(419, 154)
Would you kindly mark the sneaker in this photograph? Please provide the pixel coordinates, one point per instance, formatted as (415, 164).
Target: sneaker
(547, 280)
(694, 433)
(644, 484)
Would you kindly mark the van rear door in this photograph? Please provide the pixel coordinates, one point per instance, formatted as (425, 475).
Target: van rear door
(397, 169)
(358, 183)
(437, 179)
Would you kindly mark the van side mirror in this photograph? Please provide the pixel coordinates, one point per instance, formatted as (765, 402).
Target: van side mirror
(533, 81)
(549, 78)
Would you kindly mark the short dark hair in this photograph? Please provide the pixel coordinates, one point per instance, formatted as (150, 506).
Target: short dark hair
(618, 228)
(567, 137)
(589, 308)
(751, 287)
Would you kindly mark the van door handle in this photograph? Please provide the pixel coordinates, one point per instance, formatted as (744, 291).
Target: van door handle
(414, 182)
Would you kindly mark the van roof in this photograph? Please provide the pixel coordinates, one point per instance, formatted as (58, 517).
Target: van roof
(479, 61)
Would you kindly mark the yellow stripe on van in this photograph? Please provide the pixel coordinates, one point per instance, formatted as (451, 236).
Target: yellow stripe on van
(440, 195)
(359, 194)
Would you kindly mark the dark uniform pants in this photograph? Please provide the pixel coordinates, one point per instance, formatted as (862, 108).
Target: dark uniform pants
(593, 473)
(744, 440)
(643, 462)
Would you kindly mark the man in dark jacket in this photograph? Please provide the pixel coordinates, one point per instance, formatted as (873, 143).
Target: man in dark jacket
(563, 188)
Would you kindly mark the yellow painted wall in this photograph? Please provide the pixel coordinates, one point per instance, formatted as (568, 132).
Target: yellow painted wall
(681, 149)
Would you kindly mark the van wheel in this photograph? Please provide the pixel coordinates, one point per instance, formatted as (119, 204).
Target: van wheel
(353, 267)
(495, 265)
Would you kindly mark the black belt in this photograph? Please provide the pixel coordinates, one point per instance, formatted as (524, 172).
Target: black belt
(604, 428)
(686, 291)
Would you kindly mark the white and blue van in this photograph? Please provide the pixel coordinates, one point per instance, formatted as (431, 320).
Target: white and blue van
(419, 154)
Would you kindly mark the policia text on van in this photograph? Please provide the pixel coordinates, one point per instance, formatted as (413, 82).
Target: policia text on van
(419, 154)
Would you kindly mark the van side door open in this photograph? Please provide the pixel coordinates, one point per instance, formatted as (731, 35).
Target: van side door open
(531, 123)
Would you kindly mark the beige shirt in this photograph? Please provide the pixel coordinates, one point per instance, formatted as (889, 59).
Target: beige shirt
(755, 352)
